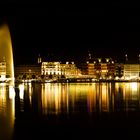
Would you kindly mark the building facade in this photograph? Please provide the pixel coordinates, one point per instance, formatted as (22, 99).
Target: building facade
(131, 71)
(119, 70)
(27, 72)
(56, 69)
(101, 68)
(2, 70)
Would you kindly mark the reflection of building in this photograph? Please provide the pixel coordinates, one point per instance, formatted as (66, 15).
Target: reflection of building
(127, 96)
(7, 110)
(54, 99)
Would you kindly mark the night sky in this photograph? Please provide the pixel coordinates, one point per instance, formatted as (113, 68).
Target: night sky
(69, 33)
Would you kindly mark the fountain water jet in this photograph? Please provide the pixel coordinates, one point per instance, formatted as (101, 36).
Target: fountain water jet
(6, 55)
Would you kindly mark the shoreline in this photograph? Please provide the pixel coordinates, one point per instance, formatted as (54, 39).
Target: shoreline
(75, 81)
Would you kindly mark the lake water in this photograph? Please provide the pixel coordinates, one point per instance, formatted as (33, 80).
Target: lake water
(69, 110)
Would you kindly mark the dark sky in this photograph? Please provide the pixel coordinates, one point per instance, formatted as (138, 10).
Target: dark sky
(69, 33)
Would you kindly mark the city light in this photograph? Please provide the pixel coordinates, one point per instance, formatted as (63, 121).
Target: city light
(21, 91)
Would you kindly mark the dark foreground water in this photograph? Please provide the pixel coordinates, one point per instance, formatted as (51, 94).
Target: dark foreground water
(75, 110)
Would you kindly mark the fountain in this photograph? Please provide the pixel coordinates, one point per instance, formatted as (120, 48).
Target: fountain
(6, 56)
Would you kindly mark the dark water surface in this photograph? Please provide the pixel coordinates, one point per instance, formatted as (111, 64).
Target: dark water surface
(75, 110)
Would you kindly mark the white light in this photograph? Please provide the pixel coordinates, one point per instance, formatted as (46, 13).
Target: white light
(21, 91)
(134, 86)
(11, 92)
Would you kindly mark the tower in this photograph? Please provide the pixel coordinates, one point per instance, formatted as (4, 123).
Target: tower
(126, 58)
(39, 60)
(89, 55)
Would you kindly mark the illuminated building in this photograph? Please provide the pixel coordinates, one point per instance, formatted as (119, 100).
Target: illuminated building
(27, 72)
(104, 68)
(111, 69)
(91, 69)
(90, 66)
(51, 68)
(131, 71)
(99, 68)
(57, 69)
(3, 70)
(70, 69)
(83, 68)
(119, 70)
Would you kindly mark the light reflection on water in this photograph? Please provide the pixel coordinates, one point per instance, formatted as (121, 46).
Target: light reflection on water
(7, 111)
(58, 99)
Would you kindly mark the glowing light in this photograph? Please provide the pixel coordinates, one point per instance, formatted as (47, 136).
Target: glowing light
(53, 97)
(3, 91)
(12, 98)
(99, 59)
(7, 109)
(30, 92)
(21, 91)
(11, 92)
(134, 86)
(107, 60)
(91, 98)
(105, 101)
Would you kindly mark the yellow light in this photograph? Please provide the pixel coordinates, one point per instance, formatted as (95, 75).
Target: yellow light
(104, 97)
(6, 51)
(107, 60)
(11, 92)
(3, 91)
(134, 86)
(21, 91)
(12, 97)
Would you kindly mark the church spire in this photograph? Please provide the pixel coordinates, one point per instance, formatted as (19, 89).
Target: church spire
(126, 58)
(89, 54)
(39, 60)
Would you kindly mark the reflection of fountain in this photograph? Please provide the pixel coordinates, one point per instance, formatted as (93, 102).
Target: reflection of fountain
(7, 110)
(6, 55)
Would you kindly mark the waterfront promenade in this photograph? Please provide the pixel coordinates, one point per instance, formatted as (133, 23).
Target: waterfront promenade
(75, 80)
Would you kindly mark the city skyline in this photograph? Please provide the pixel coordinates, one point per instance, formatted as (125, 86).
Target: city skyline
(73, 72)
(71, 33)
